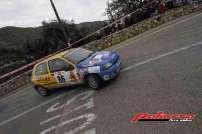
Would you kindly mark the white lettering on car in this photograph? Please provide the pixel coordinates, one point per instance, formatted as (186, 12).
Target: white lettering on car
(95, 69)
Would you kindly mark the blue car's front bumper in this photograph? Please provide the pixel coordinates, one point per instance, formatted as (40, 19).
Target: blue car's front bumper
(111, 72)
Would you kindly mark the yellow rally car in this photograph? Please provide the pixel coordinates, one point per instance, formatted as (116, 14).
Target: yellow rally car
(75, 66)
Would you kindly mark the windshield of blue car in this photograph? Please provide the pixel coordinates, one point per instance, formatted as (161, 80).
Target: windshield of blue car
(78, 55)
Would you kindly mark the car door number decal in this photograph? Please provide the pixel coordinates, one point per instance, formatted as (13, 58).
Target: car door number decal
(62, 77)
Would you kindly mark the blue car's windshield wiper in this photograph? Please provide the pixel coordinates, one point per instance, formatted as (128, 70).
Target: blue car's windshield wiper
(90, 54)
(86, 57)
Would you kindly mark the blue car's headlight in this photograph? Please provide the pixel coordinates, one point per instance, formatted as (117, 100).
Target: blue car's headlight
(108, 65)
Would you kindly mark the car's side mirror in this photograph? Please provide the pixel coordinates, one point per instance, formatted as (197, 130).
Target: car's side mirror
(71, 67)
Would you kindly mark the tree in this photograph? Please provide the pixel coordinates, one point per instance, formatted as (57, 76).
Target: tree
(118, 8)
(52, 32)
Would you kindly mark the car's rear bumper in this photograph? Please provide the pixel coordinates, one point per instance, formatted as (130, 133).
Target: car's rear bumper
(112, 72)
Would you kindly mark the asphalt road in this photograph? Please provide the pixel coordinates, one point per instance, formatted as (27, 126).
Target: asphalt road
(162, 71)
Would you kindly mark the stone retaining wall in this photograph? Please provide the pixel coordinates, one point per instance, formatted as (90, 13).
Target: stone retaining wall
(141, 27)
(110, 40)
(15, 83)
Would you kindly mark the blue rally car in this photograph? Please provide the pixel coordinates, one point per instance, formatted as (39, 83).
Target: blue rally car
(75, 66)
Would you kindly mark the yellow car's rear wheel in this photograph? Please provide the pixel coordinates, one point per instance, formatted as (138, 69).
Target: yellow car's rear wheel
(42, 91)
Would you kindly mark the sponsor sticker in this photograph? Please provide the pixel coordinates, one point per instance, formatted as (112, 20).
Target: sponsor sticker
(95, 69)
(62, 76)
(96, 59)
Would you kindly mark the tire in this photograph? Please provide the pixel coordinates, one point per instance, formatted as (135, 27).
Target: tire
(41, 91)
(94, 81)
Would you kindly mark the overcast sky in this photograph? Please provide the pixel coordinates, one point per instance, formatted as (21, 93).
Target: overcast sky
(29, 13)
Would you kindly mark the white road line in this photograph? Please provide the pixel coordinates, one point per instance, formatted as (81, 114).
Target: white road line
(51, 119)
(89, 104)
(161, 56)
(91, 131)
(34, 108)
(157, 31)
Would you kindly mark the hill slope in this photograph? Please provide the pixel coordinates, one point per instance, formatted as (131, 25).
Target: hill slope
(14, 37)
(13, 51)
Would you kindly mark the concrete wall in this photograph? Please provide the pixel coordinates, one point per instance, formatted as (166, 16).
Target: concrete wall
(110, 40)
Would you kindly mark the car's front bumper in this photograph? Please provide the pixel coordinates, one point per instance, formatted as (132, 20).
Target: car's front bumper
(111, 72)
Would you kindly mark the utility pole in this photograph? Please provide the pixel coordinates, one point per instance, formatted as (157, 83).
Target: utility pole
(60, 22)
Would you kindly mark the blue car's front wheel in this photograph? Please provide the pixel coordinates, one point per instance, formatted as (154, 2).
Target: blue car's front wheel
(94, 81)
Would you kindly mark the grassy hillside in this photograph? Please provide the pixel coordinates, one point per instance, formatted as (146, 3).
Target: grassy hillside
(14, 37)
(18, 45)
(91, 26)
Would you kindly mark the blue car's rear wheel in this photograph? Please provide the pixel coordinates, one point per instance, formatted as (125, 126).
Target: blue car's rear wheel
(94, 81)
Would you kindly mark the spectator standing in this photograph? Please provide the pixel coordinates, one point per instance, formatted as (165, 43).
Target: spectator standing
(98, 35)
(122, 23)
(162, 7)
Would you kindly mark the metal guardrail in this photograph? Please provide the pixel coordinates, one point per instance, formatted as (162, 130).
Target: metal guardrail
(15, 83)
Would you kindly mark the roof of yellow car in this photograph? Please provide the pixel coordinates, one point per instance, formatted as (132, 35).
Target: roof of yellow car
(61, 54)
